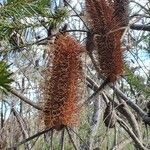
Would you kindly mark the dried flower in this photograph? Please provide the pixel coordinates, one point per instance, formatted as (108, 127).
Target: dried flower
(62, 83)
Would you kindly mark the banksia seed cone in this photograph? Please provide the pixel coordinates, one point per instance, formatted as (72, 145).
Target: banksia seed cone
(107, 36)
(62, 83)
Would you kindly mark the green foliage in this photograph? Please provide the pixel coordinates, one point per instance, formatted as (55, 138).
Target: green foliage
(19, 15)
(5, 77)
(137, 83)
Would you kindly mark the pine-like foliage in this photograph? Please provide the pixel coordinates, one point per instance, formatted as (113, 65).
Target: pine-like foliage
(105, 25)
(5, 77)
(62, 83)
(17, 17)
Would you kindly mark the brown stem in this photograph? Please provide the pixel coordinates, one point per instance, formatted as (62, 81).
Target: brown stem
(131, 134)
(140, 27)
(62, 144)
(71, 139)
(25, 99)
(22, 126)
(30, 138)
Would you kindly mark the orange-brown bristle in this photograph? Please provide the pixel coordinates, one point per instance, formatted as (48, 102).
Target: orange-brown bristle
(107, 36)
(61, 95)
(110, 56)
(121, 12)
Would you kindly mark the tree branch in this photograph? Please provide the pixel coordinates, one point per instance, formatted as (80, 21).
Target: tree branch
(95, 121)
(25, 99)
(122, 144)
(131, 134)
(135, 107)
(71, 139)
(125, 111)
(140, 27)
(30, 138)
(23, 128)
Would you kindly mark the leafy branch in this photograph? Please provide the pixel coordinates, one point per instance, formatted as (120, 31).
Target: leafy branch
(5, 77)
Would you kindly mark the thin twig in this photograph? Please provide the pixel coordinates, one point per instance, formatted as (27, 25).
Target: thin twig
(76, 31)
(71, 139)
(79, 138)
(98, 90)
(76, 14)
(51, 141)
(25, 99)
(121, 108)
(30, 138)
(122, 144)
(131, 134)
(24, 131)
(62, 142)
(140, 27)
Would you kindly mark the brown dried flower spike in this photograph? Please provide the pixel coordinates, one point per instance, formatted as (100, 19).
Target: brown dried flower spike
(61, 90)
(105, 25)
